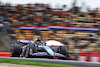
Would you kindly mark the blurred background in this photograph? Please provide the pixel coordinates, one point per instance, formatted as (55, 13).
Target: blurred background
(76, 23)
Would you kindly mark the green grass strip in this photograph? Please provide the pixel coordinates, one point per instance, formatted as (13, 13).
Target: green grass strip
(34, 63)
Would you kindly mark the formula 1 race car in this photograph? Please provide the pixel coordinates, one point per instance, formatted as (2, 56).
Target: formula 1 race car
(38, 49)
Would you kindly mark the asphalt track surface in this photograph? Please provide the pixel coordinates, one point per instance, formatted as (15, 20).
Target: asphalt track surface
(65, 62)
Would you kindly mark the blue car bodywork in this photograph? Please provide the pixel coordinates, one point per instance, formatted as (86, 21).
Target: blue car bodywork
(48, 51)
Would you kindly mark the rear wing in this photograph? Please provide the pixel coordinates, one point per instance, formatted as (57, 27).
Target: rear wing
(25, 41)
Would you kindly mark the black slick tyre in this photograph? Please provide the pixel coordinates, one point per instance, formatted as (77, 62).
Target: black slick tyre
(15, 50)
(30, 49)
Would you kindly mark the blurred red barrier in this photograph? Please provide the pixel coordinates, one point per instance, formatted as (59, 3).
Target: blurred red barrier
(95, 57)
(56, 58)
(82, 57)
(88, 56)
(4, 54)
(72, 57)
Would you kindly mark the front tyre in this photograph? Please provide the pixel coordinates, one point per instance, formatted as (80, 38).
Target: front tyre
(63, 50)
(30, 49)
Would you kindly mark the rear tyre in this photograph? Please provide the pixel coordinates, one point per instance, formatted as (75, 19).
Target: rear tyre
(15, 50)
(63, 50)
(30, 49)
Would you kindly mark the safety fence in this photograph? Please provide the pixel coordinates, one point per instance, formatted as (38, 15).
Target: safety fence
(83, 57)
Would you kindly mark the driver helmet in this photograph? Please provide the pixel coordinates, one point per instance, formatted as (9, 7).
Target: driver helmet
(38, 39)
